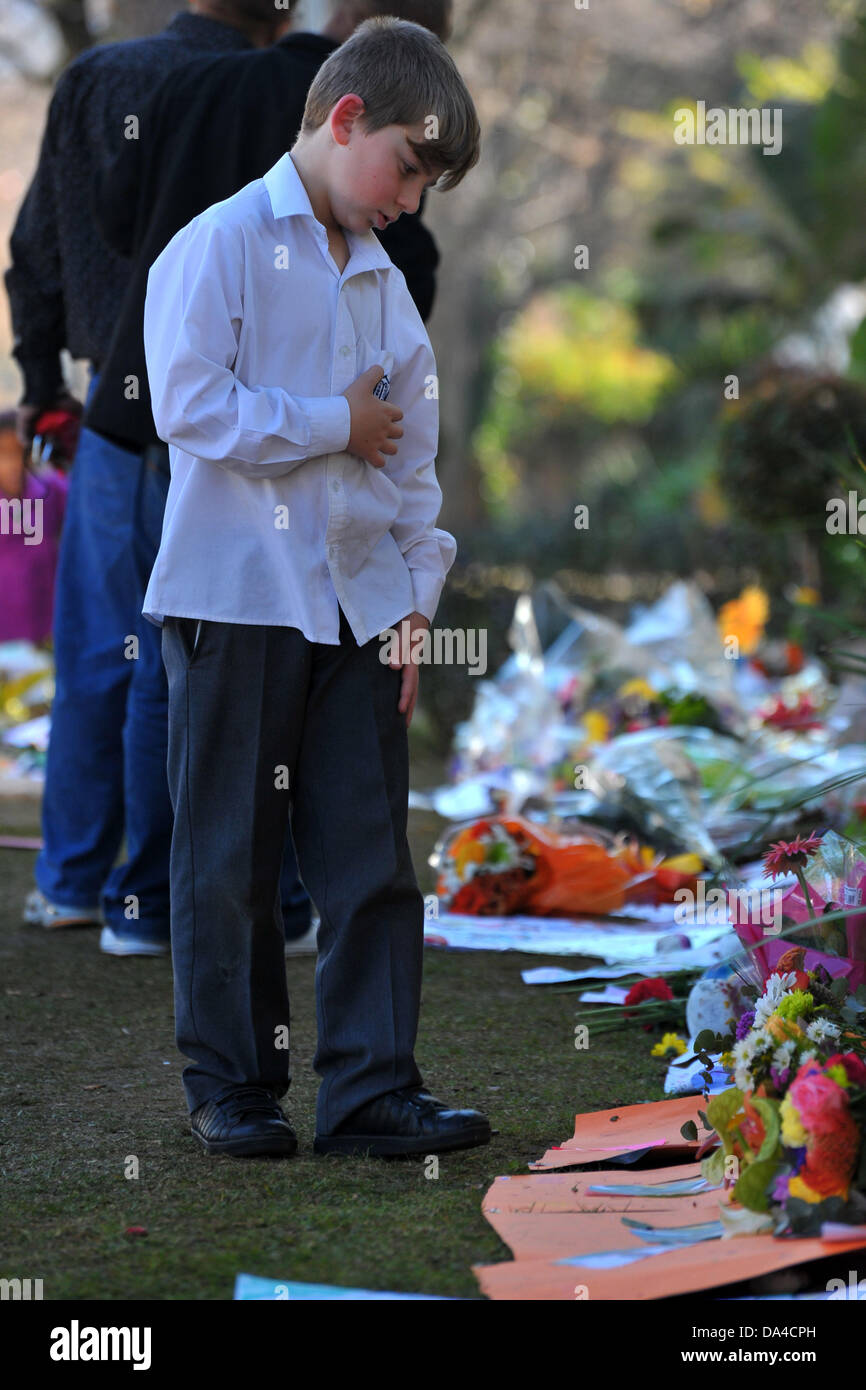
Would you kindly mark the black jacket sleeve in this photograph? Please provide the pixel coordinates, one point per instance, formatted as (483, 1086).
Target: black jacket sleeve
(34, 281)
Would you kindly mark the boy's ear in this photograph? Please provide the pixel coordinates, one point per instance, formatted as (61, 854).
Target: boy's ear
(345, 115)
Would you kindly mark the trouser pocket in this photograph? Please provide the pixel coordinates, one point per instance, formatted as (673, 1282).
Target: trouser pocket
(189, 631)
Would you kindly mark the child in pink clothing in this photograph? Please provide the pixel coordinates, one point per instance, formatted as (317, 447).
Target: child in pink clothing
(31, 516)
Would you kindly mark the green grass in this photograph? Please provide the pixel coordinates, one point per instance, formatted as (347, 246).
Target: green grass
(91, 1076)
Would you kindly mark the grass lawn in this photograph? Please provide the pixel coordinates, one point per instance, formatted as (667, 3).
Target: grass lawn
(91, 1076)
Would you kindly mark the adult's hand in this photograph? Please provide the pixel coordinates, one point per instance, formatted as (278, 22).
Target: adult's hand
(27, 415)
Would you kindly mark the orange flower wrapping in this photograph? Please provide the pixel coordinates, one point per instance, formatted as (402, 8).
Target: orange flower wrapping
(573, 875)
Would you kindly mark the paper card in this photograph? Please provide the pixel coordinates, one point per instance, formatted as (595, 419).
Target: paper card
(571, 1235)
(686, 1270)
(558, 975)
(611, 994)
(616, 942)
(549, 1193)
(601, 1133)
(251, 1287)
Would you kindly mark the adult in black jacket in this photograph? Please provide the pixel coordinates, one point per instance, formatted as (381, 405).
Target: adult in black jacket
(105, 778)
(216, 125)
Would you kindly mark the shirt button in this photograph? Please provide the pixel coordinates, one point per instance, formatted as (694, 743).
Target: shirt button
(345, 350)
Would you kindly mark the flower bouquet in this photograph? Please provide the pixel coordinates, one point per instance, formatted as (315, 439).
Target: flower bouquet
(503, 865)
(831, 875)
(792, 1127)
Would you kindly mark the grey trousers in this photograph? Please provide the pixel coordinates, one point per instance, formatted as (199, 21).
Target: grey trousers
(251, 707)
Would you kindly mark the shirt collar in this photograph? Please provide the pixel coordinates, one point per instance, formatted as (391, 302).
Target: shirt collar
(289, 198)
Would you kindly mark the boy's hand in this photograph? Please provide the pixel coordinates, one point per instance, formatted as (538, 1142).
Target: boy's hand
(374, 422)
(415, 622)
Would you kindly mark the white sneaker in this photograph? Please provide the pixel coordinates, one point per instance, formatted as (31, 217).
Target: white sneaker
(128, 945)
(307, 944)
(39, 912)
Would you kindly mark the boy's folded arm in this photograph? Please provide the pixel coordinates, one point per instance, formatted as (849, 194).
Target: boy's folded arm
(428, 551)
(192, 322)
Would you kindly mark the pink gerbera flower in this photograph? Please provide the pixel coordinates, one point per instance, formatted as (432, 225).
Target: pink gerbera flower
(787, 856)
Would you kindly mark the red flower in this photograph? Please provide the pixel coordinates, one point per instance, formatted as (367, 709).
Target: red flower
(791, 963)
(833, 1137)
(752, 1127)
(786, 855)
(656, 988)
(855, 1070)
(470, 898)
(800, 717)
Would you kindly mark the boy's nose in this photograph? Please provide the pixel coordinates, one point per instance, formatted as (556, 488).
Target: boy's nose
(409, 200)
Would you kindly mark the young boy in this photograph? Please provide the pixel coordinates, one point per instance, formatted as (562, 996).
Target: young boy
(300, 524)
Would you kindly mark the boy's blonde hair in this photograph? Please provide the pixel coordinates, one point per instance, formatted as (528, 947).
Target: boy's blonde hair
(404, 75)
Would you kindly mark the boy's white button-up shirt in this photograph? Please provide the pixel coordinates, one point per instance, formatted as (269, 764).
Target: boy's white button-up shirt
(251, 335)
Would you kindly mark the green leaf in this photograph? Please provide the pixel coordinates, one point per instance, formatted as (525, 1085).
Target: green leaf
(741, 1221)
(689, 1130)
(706, 1041)
(713, 1166)
(751, 1186)
(769, 1113)
(721, 1109)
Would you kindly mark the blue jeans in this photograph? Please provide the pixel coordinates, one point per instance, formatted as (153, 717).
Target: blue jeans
(106, 766)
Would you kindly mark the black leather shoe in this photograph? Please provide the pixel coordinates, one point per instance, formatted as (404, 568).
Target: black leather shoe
(244, 1122)
(408, 1121)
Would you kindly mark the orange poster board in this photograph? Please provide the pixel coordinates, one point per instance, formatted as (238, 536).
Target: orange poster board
(686, 1270)
(602, 1134)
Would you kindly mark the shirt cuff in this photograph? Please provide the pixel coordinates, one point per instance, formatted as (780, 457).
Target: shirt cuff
(426, 591)
(330, 424)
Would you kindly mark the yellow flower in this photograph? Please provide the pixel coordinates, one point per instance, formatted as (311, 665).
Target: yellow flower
(670, 1042)
(793, 1133)
(838, 1073)
(637, 686)
(745, 619)
(798, 1188)
(471, 853)
(597, 726)
(683, 864)
(783, 1029)
(806, 595)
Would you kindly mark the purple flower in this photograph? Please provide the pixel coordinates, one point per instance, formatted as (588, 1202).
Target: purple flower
(780, 1078)
(745, 1024)
(779, 1192)
(796, 1157)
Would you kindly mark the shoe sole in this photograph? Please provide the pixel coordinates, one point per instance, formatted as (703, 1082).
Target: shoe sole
(54, 922)
(390, 1146)
(140, 950)
(113, 945)
(249, 1148)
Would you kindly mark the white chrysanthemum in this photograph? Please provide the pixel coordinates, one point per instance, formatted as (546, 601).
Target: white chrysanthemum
(744, 1053)
(821, 1028)
(784, 1055)
(777, 987)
